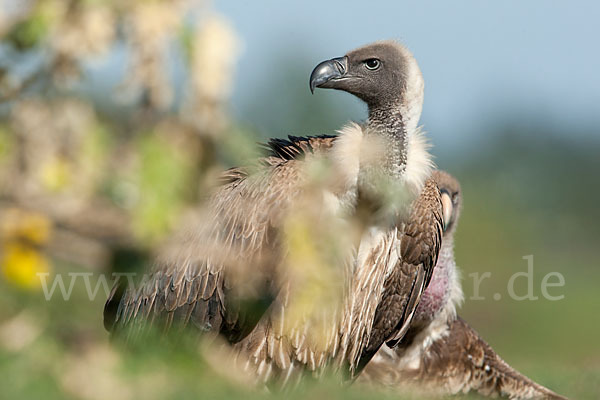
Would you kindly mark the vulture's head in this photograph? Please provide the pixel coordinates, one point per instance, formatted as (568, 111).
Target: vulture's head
(451, 200)
(382, 74)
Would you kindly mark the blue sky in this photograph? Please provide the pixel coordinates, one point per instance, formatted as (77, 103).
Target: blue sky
(483, 61)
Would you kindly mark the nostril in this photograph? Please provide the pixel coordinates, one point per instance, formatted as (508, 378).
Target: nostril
(340, 64)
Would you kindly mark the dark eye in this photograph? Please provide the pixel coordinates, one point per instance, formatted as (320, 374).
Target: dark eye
(372, 64)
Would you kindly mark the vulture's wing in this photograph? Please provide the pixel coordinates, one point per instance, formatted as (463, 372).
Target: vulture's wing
(403, 259)
(197, 280)
(458, 362)
(296, 147)
(466, 362)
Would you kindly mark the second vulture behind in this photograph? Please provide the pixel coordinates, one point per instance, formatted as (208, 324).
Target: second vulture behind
(441, 354)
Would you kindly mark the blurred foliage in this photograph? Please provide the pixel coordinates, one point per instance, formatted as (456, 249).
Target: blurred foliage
(162, 175)
(110, 176)
(61, 152)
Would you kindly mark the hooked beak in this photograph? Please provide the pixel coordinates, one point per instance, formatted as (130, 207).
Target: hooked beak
(326, 73)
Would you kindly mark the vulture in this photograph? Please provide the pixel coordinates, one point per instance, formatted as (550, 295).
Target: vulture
(239, 270)
(440, 353)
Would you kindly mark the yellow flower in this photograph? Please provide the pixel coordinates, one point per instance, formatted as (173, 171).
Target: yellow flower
(21, 234)
(21, 264)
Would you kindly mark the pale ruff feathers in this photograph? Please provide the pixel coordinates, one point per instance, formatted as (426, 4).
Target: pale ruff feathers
(419, 164)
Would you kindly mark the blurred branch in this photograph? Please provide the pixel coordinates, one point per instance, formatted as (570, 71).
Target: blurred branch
(105, 182)
(84, 235)
(11, 93)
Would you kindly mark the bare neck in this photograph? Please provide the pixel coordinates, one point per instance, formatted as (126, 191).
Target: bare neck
(444, 289)
(388, 121)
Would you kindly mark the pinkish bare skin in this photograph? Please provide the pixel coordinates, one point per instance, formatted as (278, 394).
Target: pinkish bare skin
(438, 293)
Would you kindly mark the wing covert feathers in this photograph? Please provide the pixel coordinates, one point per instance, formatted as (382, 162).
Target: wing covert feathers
(458, 362)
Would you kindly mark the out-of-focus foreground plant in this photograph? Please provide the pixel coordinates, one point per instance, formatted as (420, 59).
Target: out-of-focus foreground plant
(113, 164)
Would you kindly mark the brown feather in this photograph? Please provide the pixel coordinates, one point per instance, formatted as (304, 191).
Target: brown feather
(418, 242)
(194, 272)
(459, 362)
(244, 223)
(441, 354)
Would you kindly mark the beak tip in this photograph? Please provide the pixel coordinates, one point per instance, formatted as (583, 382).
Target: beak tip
(313, 83)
